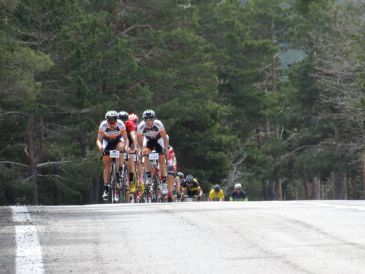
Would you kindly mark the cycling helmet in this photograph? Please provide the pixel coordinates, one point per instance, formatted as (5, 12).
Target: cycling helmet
(180, 175)
(123, 115)
(217, 188)
(133, 117)
(111, 115)
(189, 178)
(237, 186)
(148, 114)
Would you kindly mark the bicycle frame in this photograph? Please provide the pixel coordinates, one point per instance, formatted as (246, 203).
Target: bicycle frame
(113, 154)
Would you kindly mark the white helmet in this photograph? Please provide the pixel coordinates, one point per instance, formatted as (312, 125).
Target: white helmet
(237, 186)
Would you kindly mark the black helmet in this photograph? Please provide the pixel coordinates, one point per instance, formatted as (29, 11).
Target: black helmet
(180, 175)
(148, 114)
(189, 178)
(111, 115)
(123, 115)
(217, 188)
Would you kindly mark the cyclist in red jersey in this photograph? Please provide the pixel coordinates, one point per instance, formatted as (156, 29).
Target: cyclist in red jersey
(134, 118)
(132, 137)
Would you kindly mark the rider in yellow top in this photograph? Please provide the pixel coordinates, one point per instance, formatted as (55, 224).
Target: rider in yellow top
(216, 194)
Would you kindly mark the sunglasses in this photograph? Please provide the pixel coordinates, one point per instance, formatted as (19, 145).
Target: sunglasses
(148, 119)
(112, 123)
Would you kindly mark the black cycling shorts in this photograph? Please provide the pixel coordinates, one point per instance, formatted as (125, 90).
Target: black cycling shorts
(154, 145)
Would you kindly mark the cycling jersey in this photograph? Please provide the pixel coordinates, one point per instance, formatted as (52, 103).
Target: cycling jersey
(152, 133)
(238, 196)
(171, 157)
(111, 135)
(152, 136)
(171, 161)
(192, 189)
(216, 195)
(130, 127)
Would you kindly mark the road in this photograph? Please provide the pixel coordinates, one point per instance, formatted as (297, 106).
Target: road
(217, 237)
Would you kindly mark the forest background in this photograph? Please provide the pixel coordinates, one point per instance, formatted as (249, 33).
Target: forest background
(269, 93)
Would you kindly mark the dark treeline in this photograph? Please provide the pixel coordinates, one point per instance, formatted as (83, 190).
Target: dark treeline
(269, 93)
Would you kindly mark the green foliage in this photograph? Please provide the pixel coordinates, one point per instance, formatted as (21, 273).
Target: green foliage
(210, 70)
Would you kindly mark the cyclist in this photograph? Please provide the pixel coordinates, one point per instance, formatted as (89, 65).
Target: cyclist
(238, 194)
(179, 179)
(132, 138)
(151, 135)
(216, 194)
(191, 188)
(171, 171)
(134, 118)
(112, 135)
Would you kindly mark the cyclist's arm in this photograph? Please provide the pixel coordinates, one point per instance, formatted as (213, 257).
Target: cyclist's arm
(200, 192)
(174, 162)
(126, 140)
(99, 142)
(140, 140)
(165, 140)
(134, 138)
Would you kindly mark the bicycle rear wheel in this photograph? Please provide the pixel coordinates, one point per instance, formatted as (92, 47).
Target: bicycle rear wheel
(156, 196)
(123, 186)
(112, 182)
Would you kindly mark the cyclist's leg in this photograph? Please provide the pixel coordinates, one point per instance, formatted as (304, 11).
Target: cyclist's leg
(120, 146)
(162, 164)
(140, 176)
(147, 148)
(162, 159)
(170, 181)
(131, 174)
(107, 162)
(107, 166)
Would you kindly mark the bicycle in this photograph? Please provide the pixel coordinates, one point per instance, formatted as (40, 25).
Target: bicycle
(123, 182)
(113, 154)
(157, 191)
(133, 196)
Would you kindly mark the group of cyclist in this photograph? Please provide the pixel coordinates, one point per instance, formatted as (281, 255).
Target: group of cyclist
(123, 132)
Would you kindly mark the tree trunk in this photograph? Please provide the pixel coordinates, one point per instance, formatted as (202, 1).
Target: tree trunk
(42, 147)
(340, 184)
(316, 189)
(272, 192)
(279, 190)
(362, 195)
(306, 189)
(31, 158)
(265, 190)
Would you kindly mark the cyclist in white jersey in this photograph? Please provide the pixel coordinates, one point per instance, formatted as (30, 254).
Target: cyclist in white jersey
(151, 135)
(112, 135)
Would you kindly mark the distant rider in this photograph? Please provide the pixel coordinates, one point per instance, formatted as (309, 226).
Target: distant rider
(216, 194)
(191, 188)
(238, 194)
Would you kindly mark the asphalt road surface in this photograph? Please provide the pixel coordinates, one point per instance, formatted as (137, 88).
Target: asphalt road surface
(206, 237)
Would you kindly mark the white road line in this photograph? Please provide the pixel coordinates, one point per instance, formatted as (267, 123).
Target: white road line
(28, 250)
